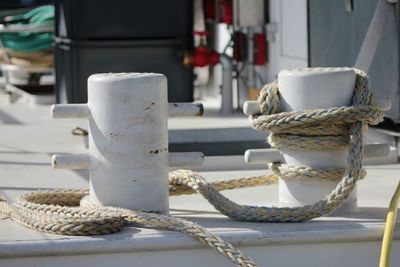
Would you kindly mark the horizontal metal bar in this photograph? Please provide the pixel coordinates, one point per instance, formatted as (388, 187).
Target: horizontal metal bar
(71, 161)
(69, 111)
(185, 109)
(269, 155)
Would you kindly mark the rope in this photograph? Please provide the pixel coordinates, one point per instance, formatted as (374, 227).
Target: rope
(69, 212)
(30, 42)
(29, 48)
(42, 59)
(178, 187)
(286, 172)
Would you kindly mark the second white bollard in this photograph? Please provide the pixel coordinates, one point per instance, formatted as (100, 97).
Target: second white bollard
(314, 89)
(302, 89)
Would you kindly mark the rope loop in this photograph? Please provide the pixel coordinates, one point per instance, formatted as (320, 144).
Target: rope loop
(320, 129)
(70, 212)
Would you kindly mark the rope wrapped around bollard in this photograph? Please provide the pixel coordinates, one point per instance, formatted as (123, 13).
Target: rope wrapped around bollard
(68, 211)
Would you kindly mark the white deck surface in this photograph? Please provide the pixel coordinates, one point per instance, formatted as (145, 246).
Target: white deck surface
(28, 138)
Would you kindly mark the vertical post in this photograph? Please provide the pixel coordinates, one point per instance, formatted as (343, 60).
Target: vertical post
(250, 60)
(128, 138)
(227, 93)
(311, 89)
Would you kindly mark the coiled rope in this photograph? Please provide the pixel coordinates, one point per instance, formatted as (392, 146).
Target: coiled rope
(29, 48)
(30, 42)
(68, 212)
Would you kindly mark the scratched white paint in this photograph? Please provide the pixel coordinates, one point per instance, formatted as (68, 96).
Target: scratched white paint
(128, 140)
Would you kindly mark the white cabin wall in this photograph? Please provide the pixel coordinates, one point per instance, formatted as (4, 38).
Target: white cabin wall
(287, 45)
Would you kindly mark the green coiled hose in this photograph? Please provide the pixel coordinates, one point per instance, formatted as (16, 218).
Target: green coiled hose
(29, 42)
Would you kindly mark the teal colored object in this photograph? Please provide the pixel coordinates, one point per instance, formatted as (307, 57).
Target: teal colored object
(30, 41)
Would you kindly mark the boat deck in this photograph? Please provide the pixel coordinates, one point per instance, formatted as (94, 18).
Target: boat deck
(29, 137)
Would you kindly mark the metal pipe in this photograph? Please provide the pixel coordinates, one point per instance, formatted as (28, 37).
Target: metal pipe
(227, 94)
(71, 161)
(269, 155)
(69, 111)
(185, 109)
(263, 155)
(250, 60)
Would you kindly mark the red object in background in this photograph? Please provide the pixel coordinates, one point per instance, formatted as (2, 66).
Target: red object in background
(260, 49)
(209, 9)
(201, 33)
(226, 12)
(202, 56)
(239, 46)
(213, 58)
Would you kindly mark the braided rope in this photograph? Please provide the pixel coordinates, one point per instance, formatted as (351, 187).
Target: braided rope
(68, 212)
(307, 124)
(286, 172)
(178, 187)
(298, 142)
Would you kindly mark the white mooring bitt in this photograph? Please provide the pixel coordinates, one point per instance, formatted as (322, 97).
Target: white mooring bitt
(128, 140)
(311, 89)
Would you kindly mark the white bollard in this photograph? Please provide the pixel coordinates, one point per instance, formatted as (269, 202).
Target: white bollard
(312, 89)
(128, 140)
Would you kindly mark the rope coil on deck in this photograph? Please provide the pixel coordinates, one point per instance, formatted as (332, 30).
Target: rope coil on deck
(68, 211)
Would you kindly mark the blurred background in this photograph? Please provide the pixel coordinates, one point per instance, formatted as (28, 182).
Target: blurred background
(218, 51)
